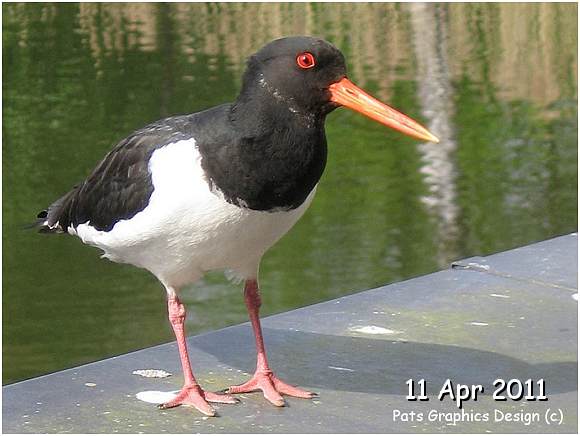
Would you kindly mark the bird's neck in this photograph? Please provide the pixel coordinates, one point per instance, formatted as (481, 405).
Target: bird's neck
(256, 111)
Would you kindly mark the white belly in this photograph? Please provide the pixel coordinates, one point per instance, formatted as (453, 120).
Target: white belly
(186, 229)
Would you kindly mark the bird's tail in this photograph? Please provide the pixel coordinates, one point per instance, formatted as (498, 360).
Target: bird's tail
(56, 218)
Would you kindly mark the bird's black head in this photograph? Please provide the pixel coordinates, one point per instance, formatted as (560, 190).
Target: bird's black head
(307, 76)
(295, 72)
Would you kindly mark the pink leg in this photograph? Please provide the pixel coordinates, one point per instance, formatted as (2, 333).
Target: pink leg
(263, 378)
(191, 394)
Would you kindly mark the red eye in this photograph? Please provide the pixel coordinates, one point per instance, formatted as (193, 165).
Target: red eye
(305, 60)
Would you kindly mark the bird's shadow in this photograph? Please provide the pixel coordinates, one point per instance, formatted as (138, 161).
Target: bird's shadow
(362, 364)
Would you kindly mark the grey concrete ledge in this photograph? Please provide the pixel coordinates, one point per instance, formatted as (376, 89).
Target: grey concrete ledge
(512, 315)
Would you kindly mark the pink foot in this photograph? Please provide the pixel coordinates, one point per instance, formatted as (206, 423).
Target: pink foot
(272, 387)
(198, 398)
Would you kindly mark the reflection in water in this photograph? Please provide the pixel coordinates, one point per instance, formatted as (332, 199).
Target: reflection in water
(436, 97)
(497, 83)
(528, 48)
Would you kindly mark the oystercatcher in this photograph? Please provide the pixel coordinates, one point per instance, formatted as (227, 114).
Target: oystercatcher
(215, 189)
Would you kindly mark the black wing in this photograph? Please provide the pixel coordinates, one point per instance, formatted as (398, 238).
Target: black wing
(120, 186)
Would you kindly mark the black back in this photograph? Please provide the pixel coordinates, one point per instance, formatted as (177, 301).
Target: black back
(120, 186)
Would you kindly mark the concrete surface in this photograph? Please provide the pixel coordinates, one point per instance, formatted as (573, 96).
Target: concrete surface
(512, 315)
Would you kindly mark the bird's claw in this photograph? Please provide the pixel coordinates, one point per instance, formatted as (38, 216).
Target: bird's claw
(272, 387)
(198, 398)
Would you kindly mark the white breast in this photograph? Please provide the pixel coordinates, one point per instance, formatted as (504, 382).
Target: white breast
(186, 229)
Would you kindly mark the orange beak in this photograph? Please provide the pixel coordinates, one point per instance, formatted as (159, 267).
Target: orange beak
(346, 93)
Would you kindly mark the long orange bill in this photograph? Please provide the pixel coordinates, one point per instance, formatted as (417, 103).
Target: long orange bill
(346, 93)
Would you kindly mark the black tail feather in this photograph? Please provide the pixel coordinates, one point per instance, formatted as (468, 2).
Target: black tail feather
(51, 220)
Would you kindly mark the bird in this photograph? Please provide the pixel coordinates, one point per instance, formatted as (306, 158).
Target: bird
(215, 189)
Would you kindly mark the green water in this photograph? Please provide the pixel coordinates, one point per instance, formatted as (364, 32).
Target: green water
(496, 82)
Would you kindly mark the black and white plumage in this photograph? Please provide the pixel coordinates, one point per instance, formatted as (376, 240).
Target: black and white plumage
(152, 204)
(214, 190)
